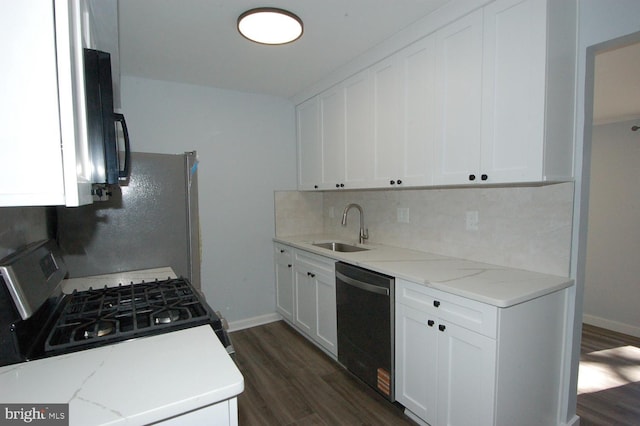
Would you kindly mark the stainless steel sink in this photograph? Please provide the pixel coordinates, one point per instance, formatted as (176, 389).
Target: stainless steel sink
(338, 246)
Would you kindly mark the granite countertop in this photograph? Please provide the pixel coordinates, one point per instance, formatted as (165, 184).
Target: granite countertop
(492, 284)
(138, 381)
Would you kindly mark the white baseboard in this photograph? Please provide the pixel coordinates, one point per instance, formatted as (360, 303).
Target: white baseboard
(253, 322)
(612, 325)
(575, 421)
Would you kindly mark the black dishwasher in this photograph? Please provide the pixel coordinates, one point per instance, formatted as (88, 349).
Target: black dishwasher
(366, 326)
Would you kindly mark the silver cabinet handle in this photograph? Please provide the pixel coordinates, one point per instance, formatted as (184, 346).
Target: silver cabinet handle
(362, 285)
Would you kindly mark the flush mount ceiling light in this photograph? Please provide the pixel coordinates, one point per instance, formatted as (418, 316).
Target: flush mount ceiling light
(269, 25)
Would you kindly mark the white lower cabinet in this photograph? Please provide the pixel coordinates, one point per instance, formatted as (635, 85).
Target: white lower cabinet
(463, 362)
(444, 372)
(306, 294)
(284, 280)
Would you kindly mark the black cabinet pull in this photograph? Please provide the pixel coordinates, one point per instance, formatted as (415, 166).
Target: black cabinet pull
(339, 185)
(436, 303)
(430, 323)
(472, 177)
(442, 327)
(289, 265)
(315, 186)
(392, 182)
(281, 251)
(311, 274)
(484, 177)
(399, 182)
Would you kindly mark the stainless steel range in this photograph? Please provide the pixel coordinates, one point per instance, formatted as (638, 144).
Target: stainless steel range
(37, 320)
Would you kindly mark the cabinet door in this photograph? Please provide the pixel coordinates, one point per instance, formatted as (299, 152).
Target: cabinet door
(514, 90)
(404, 119)
(326, 333)
(309, 144)
(358, 133)
(284, 281)
(42, 106)
(305, 298)
(419, 114)
(387, 135)
(332, 129)
(466, 376)
(32, 166)
(458, 108)
(416, 362)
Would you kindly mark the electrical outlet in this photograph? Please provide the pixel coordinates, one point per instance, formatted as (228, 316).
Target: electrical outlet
(473, 220)
(403, 214)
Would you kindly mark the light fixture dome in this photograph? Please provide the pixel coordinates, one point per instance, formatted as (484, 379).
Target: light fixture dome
(270, 25)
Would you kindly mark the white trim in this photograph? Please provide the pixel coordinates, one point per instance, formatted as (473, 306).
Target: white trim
(253, 322)
(575, 421)
(620, 327)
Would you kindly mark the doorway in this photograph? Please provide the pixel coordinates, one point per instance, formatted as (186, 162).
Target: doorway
(609, 369)
(612, 290)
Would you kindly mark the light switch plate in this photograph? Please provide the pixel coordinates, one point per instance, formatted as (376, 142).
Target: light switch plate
(473, 220)
(403, 214)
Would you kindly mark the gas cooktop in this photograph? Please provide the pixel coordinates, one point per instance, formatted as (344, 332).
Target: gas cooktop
(37, 320)
(100, 316)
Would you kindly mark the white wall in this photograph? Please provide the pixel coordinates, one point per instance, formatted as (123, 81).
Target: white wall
(612, 294)
(246, 148)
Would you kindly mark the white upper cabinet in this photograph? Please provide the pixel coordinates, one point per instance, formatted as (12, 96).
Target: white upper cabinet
(518, 82)
(42, 111)
(358, 131)
(309, 145)
(332, 137)
(388, 114)
(528, 90)
(418, 123)
(487, 98)
(403, 88)
(458, 100)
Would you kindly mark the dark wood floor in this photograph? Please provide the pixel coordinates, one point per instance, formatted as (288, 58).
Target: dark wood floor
(609, 378)
(288, 381)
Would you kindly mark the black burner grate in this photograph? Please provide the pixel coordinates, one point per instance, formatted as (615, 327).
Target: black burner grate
(96, 317)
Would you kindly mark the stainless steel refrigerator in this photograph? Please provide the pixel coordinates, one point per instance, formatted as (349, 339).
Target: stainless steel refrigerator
(151, 222)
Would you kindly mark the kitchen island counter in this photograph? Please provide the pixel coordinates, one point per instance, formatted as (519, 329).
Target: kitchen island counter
(139, 381)
(492, 284)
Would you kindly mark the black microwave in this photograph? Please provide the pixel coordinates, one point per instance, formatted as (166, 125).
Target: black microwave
(110, 164)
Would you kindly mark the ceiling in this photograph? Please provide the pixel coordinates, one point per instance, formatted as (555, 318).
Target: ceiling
(196, 41)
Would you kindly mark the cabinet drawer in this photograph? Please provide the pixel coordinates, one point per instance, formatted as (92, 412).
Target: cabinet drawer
(467, 313)
(315, 262)
(282, 252)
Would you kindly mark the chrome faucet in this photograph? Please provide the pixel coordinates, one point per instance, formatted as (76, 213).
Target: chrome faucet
(364, 233)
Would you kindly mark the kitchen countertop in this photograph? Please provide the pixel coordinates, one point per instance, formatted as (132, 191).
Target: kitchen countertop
(138, 381)
(492, 284)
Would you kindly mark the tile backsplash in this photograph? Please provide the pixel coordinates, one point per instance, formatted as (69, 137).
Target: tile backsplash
(520, 227)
